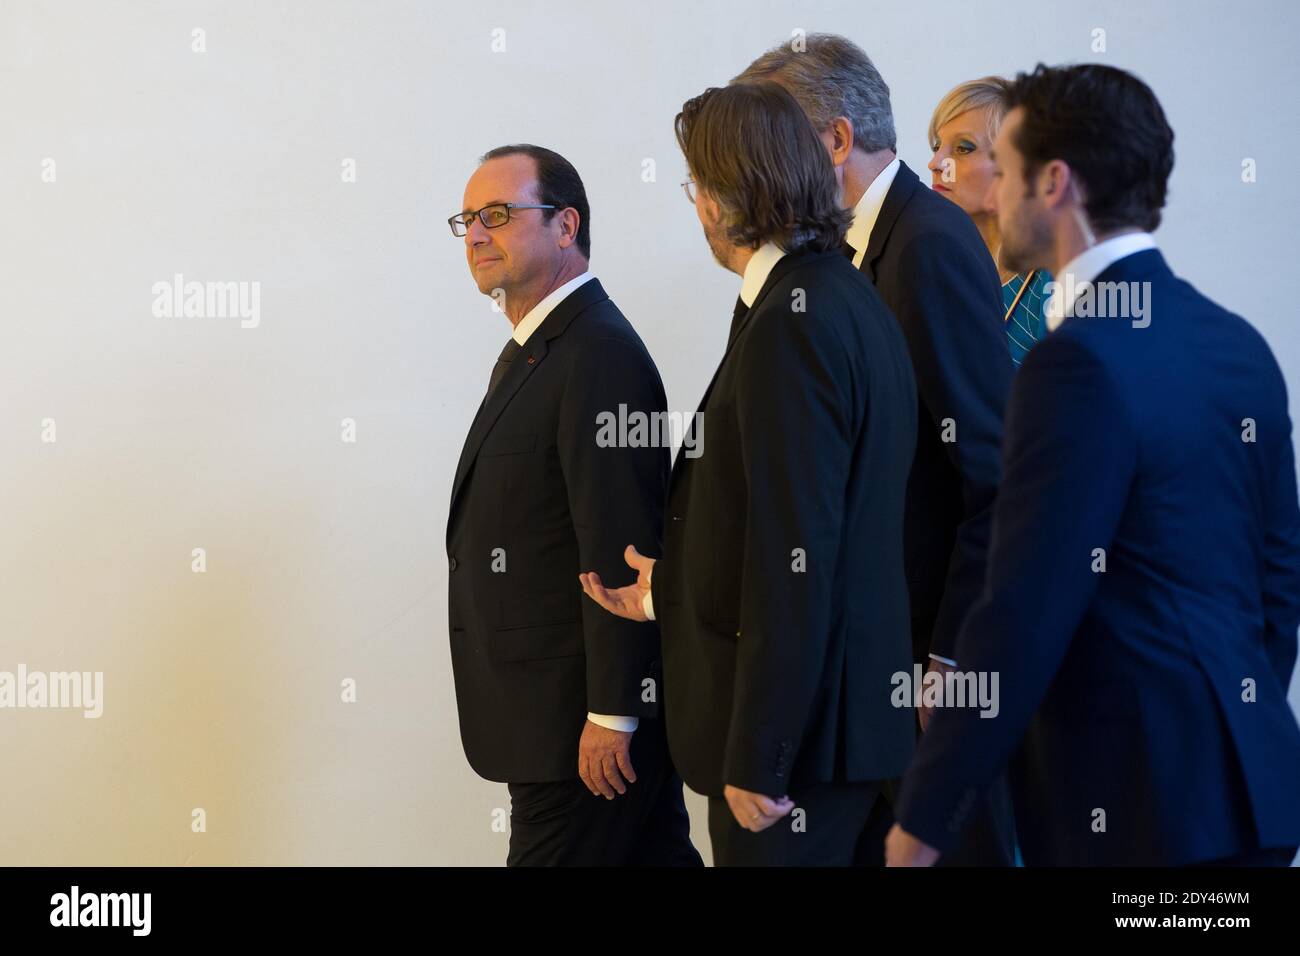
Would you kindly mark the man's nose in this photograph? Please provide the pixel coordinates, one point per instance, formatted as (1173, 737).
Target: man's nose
(476, 233)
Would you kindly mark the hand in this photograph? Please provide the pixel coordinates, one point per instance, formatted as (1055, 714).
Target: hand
(604, 759)
(903, 849)
(755, 811)
(625, 602)
(924, 713)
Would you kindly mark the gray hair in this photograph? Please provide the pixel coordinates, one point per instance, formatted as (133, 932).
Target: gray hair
(831, 76)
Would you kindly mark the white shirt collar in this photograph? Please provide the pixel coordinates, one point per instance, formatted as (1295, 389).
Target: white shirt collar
(529, 323)
(1085, 267)
(867, 211)
(758, 269)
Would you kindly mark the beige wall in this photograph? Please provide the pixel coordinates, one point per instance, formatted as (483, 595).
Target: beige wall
(324, 558)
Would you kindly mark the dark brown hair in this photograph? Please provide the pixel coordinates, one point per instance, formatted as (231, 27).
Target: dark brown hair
(753, 149)
(558, 184)
(1108, 127)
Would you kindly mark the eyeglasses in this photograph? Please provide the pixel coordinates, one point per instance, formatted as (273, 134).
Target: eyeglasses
(689, 188)
(492, 216)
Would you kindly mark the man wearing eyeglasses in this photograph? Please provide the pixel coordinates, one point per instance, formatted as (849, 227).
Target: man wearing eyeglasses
(556, 698)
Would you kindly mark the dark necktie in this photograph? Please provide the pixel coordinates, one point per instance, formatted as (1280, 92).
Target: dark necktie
(737, 319)
(499, 370)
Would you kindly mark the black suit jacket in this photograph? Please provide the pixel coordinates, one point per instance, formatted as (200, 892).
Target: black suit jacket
(932, 269)
(781, 594)
(535, 489)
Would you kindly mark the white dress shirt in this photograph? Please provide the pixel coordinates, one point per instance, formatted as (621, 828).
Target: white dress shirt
(867, 211)
(1086, 266)
(757, 270)
(526, 327)
(529, 323)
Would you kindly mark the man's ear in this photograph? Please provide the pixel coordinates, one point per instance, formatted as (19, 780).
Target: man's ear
(709, 206)
(570, 220)
(841, 140)
(1058, 185)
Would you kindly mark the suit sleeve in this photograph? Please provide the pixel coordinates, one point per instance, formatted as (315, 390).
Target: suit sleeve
(616, 498)
(963, 372)
(792, 396)
(1069, 462)
(1281, 579)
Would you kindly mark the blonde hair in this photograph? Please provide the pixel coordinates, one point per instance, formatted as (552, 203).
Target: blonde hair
(987, 93)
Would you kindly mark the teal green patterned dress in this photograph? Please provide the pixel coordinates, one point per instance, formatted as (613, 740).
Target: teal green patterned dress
(1027, 324)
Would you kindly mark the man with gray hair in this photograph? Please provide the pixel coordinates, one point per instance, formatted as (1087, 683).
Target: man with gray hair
(932, 269)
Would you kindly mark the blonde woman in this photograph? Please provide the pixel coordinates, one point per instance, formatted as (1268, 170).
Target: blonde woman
(962, 130)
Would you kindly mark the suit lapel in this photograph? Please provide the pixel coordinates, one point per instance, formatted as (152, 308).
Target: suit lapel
(900, 192)
(783, 266)
(525, 363)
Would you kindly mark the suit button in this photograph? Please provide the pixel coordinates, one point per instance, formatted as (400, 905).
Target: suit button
(451, 564)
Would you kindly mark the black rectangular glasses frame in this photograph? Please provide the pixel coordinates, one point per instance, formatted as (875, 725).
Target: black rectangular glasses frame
(461, 220)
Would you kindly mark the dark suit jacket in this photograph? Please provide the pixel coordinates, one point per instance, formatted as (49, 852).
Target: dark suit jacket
(531, 656)
(779, 677)
(1122, 691)
(933, 271)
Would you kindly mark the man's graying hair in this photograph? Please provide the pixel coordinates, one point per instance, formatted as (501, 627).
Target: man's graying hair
(831, 77)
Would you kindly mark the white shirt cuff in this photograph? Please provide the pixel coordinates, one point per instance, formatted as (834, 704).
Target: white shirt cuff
(625, 724)
(648, 605)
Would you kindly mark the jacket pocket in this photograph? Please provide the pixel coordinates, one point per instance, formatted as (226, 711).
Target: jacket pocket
(495, 445)
(535, 610)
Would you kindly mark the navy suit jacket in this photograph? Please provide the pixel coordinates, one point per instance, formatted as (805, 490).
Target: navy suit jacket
(932, 269)
(1143, 711)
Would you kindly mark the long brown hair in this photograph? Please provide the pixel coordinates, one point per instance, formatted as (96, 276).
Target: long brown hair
(753, 149)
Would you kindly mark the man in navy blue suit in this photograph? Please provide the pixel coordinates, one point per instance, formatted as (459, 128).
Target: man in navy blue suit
(1143, 587)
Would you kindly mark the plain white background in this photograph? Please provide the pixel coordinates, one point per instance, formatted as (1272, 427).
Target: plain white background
(325, 559)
